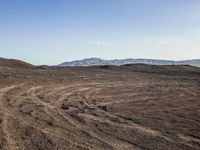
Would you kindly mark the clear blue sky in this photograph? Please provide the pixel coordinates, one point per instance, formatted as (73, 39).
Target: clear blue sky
(53, 31)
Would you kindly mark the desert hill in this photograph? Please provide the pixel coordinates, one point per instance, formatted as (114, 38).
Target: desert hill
(13, 63)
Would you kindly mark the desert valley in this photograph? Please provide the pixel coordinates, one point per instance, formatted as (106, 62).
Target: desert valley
(128, 107)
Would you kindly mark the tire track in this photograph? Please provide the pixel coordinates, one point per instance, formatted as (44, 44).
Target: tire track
(113, 141)
(11, 143)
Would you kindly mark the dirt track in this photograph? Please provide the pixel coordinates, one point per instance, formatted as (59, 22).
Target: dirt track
(134, 107)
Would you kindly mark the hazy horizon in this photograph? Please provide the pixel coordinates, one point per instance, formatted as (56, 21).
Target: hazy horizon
(51, 32)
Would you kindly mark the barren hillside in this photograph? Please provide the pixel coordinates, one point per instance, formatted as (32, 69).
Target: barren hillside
(13, 63)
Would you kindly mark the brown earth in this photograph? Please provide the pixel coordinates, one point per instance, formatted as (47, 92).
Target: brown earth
(13, 63)
(132, 107)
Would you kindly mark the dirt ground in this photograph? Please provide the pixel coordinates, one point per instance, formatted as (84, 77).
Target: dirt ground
(132, 107)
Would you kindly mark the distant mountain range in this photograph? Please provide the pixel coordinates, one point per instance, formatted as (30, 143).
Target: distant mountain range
(13, 63)
(119, 62)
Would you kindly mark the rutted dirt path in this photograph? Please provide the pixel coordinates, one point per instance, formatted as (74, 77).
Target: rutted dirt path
(10, 142)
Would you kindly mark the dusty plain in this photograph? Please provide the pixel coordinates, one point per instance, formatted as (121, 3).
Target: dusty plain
(131, 107)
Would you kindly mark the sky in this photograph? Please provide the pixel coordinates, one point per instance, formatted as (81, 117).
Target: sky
(54, 31)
